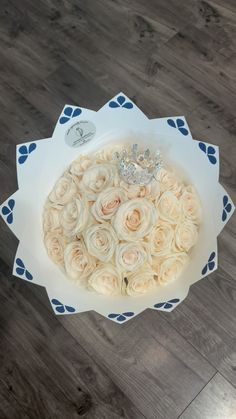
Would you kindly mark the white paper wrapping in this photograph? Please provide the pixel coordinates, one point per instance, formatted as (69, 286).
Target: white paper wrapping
(40, 163)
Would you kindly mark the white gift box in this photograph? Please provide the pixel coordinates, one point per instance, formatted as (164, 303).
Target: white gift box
(80, 131)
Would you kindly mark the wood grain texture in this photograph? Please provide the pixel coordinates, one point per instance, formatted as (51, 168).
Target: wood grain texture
(217, 400)
(151, 359)
(171, 58)
(45, 371)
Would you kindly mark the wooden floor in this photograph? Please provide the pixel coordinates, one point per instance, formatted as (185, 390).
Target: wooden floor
(171, 57)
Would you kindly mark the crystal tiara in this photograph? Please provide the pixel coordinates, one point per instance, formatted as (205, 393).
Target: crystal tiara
(138, 167)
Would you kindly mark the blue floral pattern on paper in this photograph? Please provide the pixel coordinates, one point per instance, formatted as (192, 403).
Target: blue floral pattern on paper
(179, 124)
(61, 308)
(24, 152)
(22, 271)
(167, 304)
(210, 264)
(69, 113)
(121, 317)
(209, 151)
(121, 102)
(227, 207)
(7, 211)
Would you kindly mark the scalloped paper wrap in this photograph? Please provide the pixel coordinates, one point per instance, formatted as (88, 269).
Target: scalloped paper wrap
(81, 131)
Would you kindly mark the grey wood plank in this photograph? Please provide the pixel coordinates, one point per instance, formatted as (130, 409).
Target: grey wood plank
(206, 319)
(218, 14)
(229, 5)
(45, 370)
(147, 353)
(21, 121)
(192, 58)
(68, 85)
(26, 54)
(9, 407)
(217, 400)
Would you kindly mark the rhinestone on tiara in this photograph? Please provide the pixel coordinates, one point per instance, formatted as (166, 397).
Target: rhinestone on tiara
(138, 167)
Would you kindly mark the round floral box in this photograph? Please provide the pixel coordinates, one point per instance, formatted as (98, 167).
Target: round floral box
(111, 250)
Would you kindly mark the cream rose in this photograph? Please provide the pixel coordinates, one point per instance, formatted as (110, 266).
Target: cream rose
(97, 178)
(190, 204)
(161, 239)
(51, 217)
(106, 280)
(78, 263)
(169, 207)
(140, 282)
(74, 216)
(169, 181)
(132, 191)
(135, 219)
(170, 267)
(101, 241)
(64, 190)
(107, 203)
(186, 235)
(130, 256)
(55, 243)
(80, 165)
(151, 190)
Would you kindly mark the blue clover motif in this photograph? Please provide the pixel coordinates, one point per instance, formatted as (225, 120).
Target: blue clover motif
(7, 210)
(61, 308)
(226, 207)
(24, 152)
(210, 264)
(69, 113)
(209, 151)
(167, 304)
(179, 124)
(120, 317)
(22, 271)
(121, 102)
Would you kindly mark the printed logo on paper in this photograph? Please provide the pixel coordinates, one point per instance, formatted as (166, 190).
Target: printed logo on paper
(80, 133)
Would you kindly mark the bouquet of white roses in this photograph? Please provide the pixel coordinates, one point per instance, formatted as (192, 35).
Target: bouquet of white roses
(119, 238)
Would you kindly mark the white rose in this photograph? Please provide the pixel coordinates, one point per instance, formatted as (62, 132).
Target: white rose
(130, 256)
(55, 243)
(106, 280)
(151, 190)
(80, 165)
(78, 263)
(107, 203)
(64, 190)
(140, 282)
(170, 267)
(186, 235)
(101, 241)
(132, 191)
(190, 204)
(74, 216)
(169, 181)
(51, 217)
(135, 219)
(161, 239)
(97, 178)
(169, 208)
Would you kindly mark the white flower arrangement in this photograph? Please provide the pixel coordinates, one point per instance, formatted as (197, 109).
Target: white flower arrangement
(116, 238)
(79, 131)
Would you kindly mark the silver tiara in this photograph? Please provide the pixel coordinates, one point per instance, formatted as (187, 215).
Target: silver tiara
(138, 167)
